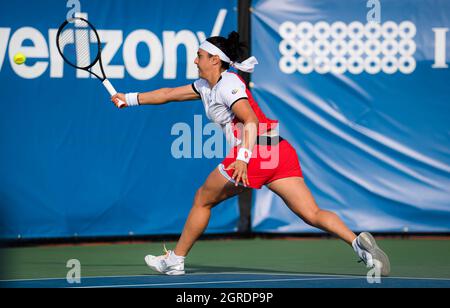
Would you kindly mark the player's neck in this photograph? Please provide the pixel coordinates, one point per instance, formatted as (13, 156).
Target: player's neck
(214, 78)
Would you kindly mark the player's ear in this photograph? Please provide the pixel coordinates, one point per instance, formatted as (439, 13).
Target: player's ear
(216, 60)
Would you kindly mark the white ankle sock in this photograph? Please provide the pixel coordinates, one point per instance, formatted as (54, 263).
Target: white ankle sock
(173, 258)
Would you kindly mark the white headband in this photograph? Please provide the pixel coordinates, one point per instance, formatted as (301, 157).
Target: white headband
(246, 66)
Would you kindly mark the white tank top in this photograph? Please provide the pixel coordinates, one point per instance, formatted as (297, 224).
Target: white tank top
(219, 100)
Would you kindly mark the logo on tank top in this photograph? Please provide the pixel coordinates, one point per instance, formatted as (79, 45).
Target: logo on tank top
(235, 91)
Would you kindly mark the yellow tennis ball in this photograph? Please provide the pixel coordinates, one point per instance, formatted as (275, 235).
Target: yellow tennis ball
(20, 58)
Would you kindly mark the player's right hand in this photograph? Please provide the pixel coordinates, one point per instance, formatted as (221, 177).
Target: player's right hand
(119, 96)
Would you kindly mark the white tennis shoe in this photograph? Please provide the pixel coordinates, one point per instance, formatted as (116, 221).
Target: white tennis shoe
(367, 249)
(168, 264)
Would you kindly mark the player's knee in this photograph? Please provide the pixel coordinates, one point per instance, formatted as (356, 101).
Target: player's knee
(203, 198)
(198, 196)
(311, 217)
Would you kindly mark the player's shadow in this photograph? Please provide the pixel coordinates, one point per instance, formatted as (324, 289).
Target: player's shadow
(199, 269)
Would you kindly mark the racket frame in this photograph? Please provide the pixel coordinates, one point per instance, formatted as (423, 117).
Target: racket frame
(106, 83)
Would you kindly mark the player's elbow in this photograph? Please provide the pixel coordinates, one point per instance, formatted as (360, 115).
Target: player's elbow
(168, 95)
(173, 95)
(252, 120)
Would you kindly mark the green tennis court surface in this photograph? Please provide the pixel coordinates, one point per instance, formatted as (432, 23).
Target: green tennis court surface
(231, 263)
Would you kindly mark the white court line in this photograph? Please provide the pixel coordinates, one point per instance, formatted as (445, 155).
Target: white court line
(189, 274)
(212, 282)
(227, 273)
(87, 277)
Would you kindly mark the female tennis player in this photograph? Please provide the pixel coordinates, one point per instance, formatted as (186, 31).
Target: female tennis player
(259, 156)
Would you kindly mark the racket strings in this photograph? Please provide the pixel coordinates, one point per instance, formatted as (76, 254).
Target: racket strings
(82, 40)
(79, 44)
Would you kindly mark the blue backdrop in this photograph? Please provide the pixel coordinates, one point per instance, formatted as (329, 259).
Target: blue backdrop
(366, 104)
(71, 164)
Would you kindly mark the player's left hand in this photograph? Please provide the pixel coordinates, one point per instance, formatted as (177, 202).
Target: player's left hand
(240, 172)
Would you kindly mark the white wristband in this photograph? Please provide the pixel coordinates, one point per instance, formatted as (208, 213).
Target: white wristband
(244, 155)
(132, 99)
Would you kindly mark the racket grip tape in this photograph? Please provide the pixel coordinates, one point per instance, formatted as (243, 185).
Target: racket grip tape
(112, 92)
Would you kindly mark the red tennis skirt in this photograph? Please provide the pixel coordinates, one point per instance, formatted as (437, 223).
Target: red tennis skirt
(268, 163)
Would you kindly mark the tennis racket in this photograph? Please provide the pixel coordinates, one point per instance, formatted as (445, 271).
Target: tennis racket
(79, 45)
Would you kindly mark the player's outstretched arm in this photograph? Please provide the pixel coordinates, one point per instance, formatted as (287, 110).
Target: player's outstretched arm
(158, 97)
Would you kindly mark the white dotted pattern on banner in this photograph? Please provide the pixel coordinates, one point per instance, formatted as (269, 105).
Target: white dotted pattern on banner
(355, 48)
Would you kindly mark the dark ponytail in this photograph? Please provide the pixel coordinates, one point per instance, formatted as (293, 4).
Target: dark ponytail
(231, 46)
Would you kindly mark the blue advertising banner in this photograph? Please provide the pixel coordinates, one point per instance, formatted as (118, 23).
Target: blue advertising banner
(71, 164)
(361, 89)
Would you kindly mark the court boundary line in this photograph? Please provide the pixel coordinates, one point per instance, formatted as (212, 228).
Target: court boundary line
(213, 282)
(228, 273)
(188, 274)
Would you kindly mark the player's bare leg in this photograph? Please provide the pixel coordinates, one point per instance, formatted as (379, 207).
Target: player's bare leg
(299, 199)
(215, 190)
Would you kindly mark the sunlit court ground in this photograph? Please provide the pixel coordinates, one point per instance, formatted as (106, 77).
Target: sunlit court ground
(249, 263)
